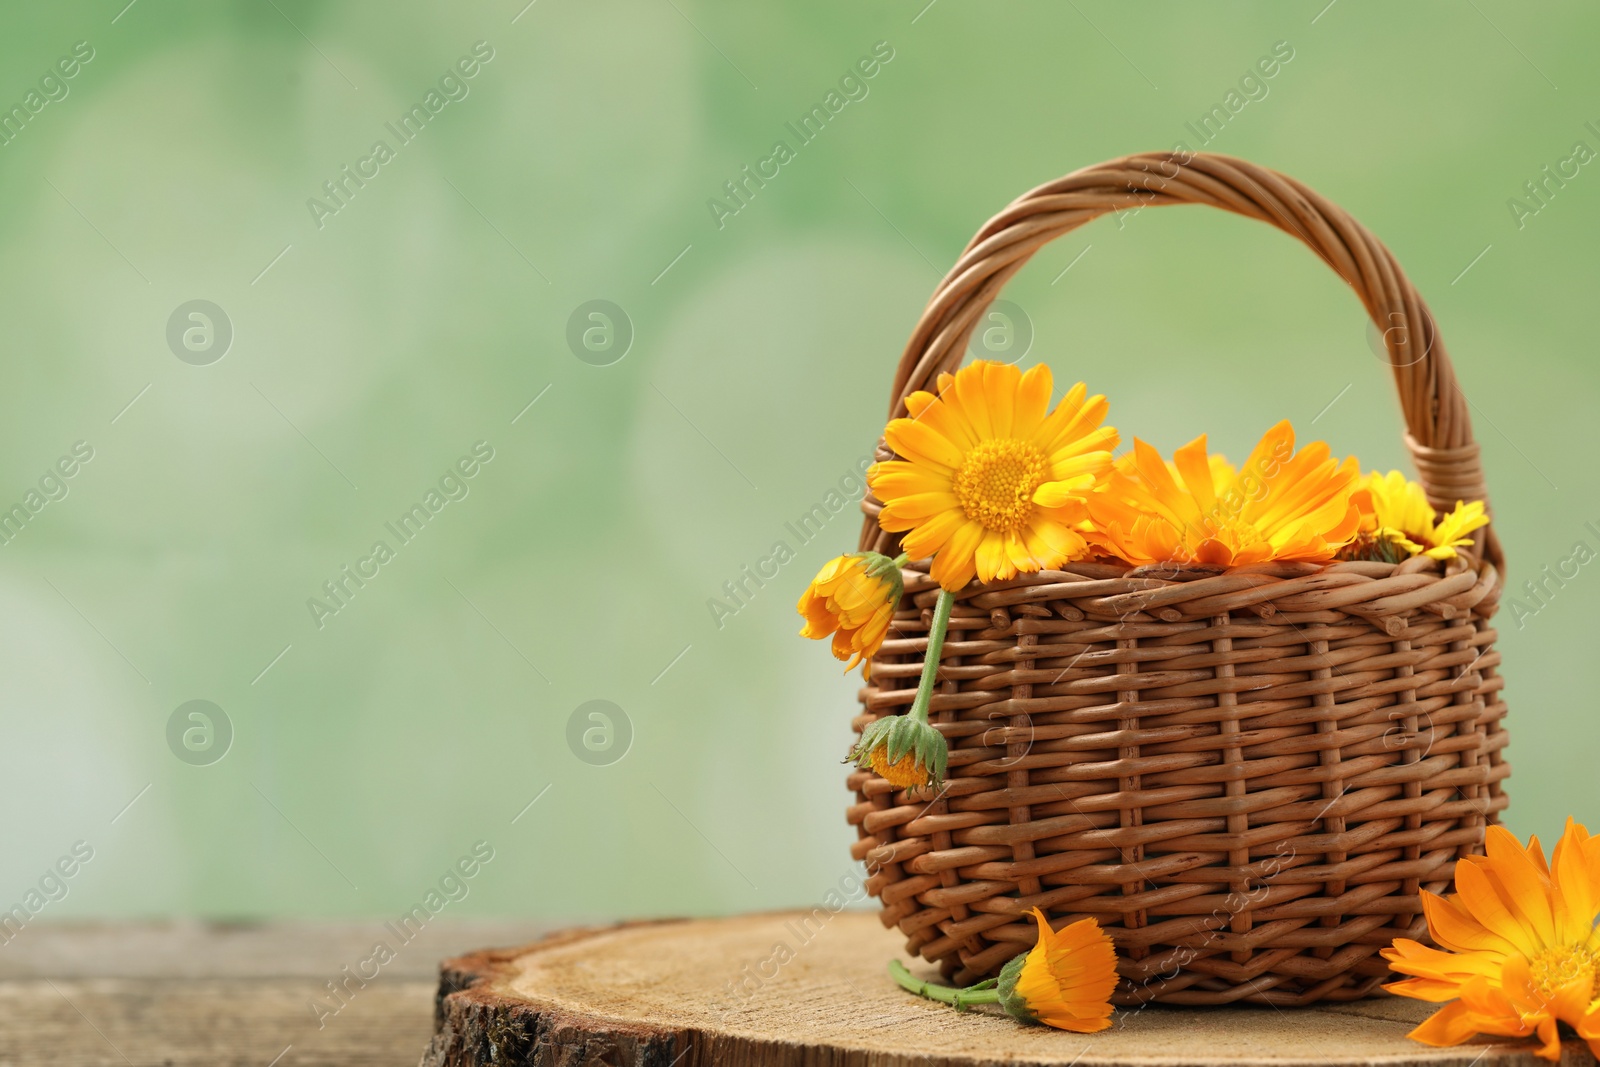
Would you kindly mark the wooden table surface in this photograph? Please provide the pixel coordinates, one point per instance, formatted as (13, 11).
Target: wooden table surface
(715, 991)
(173, 995)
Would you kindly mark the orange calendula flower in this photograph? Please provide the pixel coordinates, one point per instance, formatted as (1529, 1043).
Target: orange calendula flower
(852, 599)
(1519, 951)
(1065, 980)
(992, 482)
(1398, 522)
(1281, 505)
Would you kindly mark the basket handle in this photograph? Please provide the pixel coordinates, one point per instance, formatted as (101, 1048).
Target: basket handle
(1439, 428)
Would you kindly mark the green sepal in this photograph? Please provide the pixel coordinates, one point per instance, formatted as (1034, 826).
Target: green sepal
(1379, 549)
(886, 570)
(875, 733)
(1012, 1001)
(900, 734)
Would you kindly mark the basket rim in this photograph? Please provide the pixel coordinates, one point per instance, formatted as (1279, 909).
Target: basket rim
(1384, 593)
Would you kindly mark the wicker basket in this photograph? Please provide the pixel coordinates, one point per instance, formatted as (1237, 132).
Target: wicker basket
(1246, 777)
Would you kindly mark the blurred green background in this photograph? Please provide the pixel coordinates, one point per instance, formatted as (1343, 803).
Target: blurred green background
(374, 346)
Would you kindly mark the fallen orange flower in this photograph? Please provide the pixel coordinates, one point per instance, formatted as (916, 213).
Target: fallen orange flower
(1064, 981)
(1519, 952)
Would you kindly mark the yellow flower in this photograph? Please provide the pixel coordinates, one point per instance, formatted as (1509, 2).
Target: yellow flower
(1397, 521)
(1520, 950)
(992, 483)
(1281, 505)
(852, 598)
(1065, 980)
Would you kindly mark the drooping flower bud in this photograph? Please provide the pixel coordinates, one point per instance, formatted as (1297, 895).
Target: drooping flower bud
(852, 599)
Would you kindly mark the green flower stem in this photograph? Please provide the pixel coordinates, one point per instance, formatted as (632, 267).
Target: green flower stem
(960, 999)
(930, 659)
(902, 559)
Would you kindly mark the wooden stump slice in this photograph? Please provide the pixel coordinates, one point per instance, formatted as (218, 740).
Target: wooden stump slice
(811, 988)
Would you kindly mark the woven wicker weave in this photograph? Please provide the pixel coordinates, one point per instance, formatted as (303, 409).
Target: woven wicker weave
(1245, 776)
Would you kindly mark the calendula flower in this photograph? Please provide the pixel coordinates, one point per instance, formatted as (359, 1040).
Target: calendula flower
(1398, 522)
(852, 599)
(1280, 505)
(904, 750)
(1518, 953)
(1065, 980)
(992, 482)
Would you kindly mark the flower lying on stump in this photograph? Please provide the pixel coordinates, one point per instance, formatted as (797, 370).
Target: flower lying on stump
(1519, 953)
(1064, 981)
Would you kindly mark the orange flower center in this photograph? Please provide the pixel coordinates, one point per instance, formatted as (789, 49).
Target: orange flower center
(996, 482)
(903, 772)
(1556, 967)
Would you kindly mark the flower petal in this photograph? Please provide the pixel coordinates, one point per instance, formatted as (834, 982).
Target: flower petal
(1060, 494)
(992, 560)
(1576, 895)
(944, 417)
(1000, 381)
(1478, 895)
(906, 511)
(931, 536)
(896, 477)
(1455, 928)
(1195, 469)
(1033, 401)
(1527, 886)
(967, 390)
(955, 564)
(922, 444)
